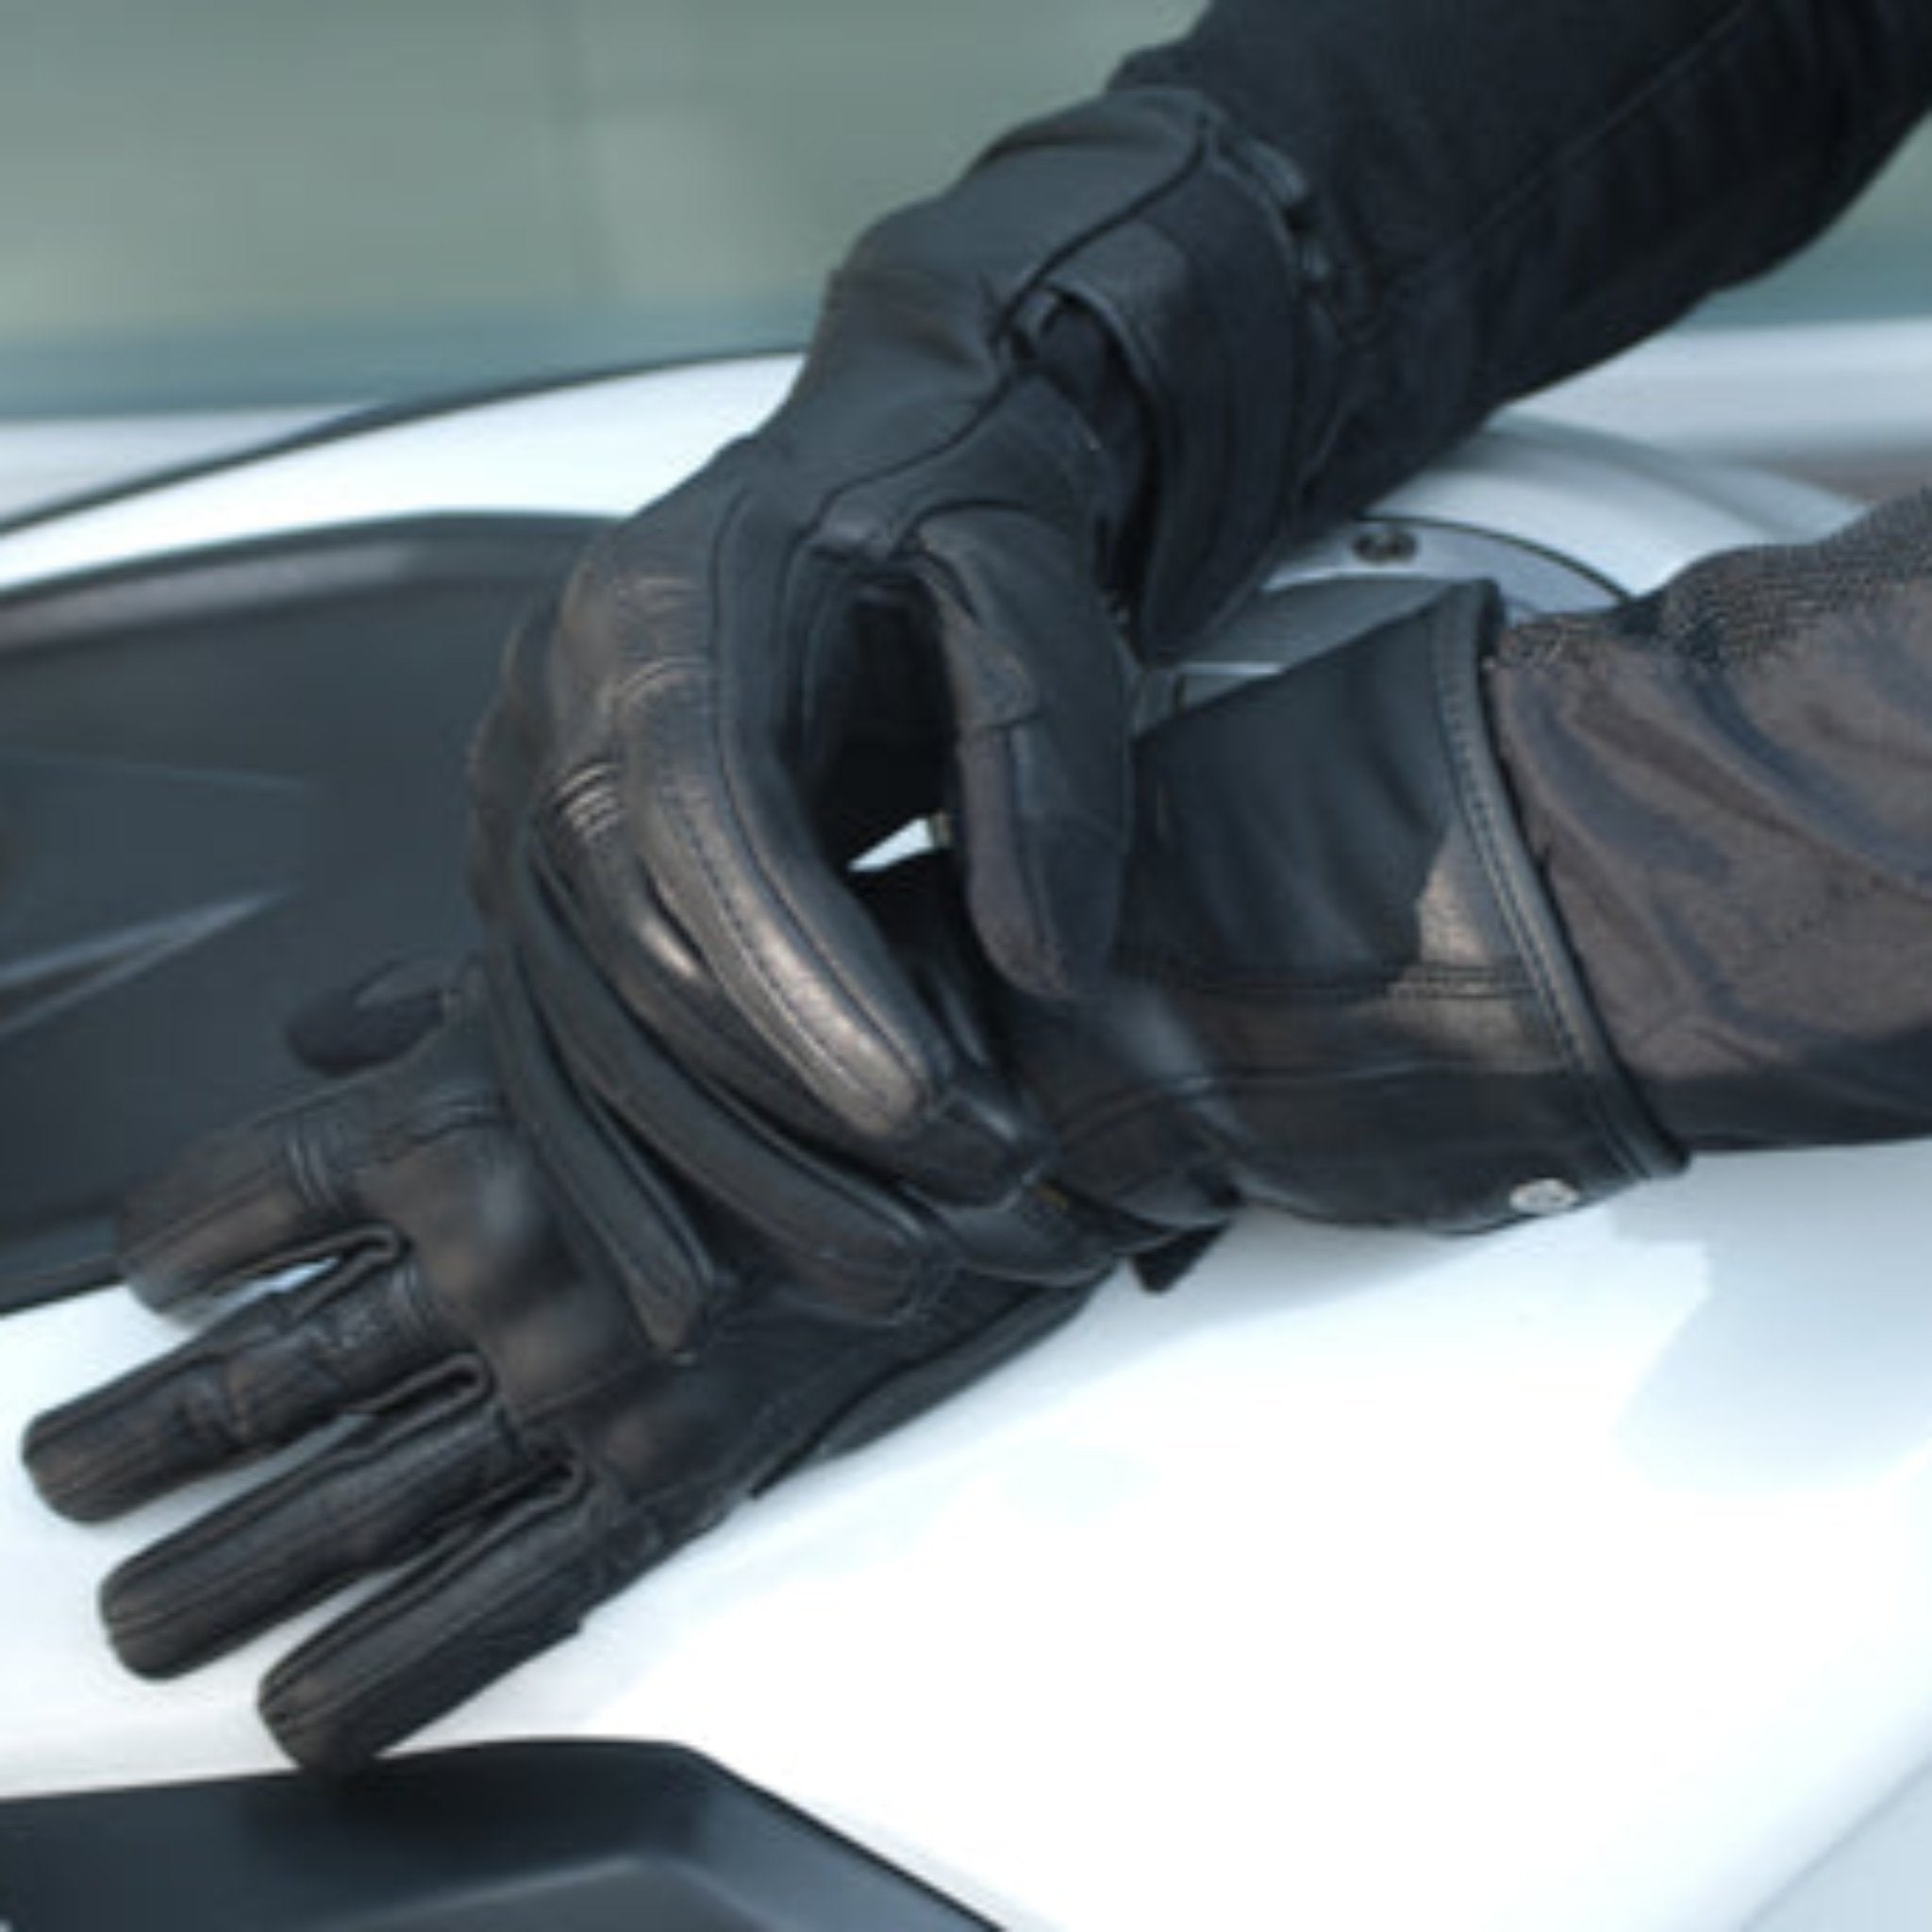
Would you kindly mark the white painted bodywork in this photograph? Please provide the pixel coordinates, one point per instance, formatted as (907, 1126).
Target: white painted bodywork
(1574, 1579)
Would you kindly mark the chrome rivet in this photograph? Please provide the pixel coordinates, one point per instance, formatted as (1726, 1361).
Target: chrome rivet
(1385, 545)
(1547, 1196)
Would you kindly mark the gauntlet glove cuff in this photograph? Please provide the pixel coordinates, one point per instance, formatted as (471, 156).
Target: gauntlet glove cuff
(1342, 988)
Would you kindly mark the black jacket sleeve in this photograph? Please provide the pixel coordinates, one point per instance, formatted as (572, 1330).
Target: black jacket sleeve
(1504, 193)
(1728, 788)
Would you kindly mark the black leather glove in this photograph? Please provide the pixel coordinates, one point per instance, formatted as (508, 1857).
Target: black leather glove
(1052, 417)
(1339, 988)
(515, 1450)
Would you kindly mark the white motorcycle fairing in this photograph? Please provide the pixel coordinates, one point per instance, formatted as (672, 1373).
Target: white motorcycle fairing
(1579, 1576)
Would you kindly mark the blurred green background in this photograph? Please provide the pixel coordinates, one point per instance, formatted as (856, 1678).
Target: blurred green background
(215, 203)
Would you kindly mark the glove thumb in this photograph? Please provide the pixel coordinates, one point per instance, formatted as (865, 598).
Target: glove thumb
(1038, 676)
(376, 1018)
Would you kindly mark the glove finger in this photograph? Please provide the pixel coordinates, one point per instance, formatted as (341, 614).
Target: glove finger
(589, 870)
(372, 1019)
(440, 1633)
(290, 1185)
(868, 1247)
(257, 1380)
(1038, 675)
(616, 1210)
(363, 1504)
(620, 1215)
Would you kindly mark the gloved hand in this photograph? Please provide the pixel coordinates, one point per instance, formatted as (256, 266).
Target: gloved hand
(1052, 418)
(515, 1449)
(1339, 989)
